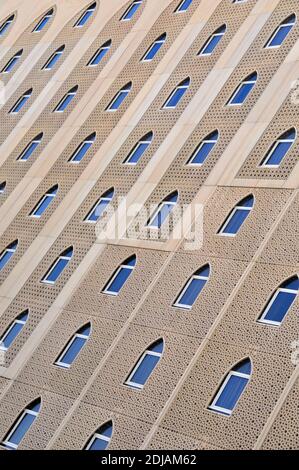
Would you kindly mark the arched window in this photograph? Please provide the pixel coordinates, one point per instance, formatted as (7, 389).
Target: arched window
(7, 253)
(22, 425)
(30, 148)
(58, 266)
(183, 6)
(279, 149)
(211, 44)
(100, 206)
(83, 148)
(85, 16)
(44, 202)
(120, 276)
(101, 438)
(280, 302)
(163, 210)
(243, 90)
(177, 94)
(13, 330)
(2, 187)
(53, 59)
(237, 217)
(66, 100)
(42, 23)
(281, 32)
(21, 102)
(232, 388)
(119, 97)
(203, 150)
(100, 54)
(12, 62)
(6, 24)
(145, 365)
(73, 347)
(139, 149)
(193, 288)
(154, 48)
(131, 10)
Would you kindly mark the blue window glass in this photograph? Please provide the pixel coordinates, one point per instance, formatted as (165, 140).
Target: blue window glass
(203, 150)
(74, 347)
(44, 202)
(22, 426)
(101, 439)
(281, 32)
(66, 100)
(57, 268)
(98, 209)
(145, 365)
(237, 217)
(7, 254)
(13, 330)
(139, 149)
(154, 48)
(42, 23)
(119, 98)
(53, 59)
(232, 388)
(177, 94)
(243, 90)
(85, 16)
(5, 25)
(21, 102)
(279, 149)
(130, 12)
(213, 41)
(83, 148)
(183, 6)
(99, 55)
(163, 211)
(120, 276)
(280, 302)
(28, 151)
(12, 62)
(193, 288)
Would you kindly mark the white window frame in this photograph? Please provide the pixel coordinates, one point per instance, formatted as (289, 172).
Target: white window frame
(157, 210)
(14, 428)
(64, 98)
(281, 26)
(178, 87)
(2, 190)
(56, 53)
(226, 411)
(47, 15)
(93, 208)
(178, 9)
(98, 51)
(15, 106)
(263, 319)
(16, 56)
(34, 141)
(276, 144)
(235, 209)
(100, 437)
(86, 141)
(65, 365)
(106, 289)
(245, 82)
(202, 53)
(194, 276)
(157, 41)
(118, 94)
(5, 23)
(134, 149)
(77, 24)
(7, 250)
(148, 352)
(123, 18)
(196, 151)
(40, 203)
(60, 257)
(21, 322)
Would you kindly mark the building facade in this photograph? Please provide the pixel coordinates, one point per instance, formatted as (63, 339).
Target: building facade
(149, 224)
